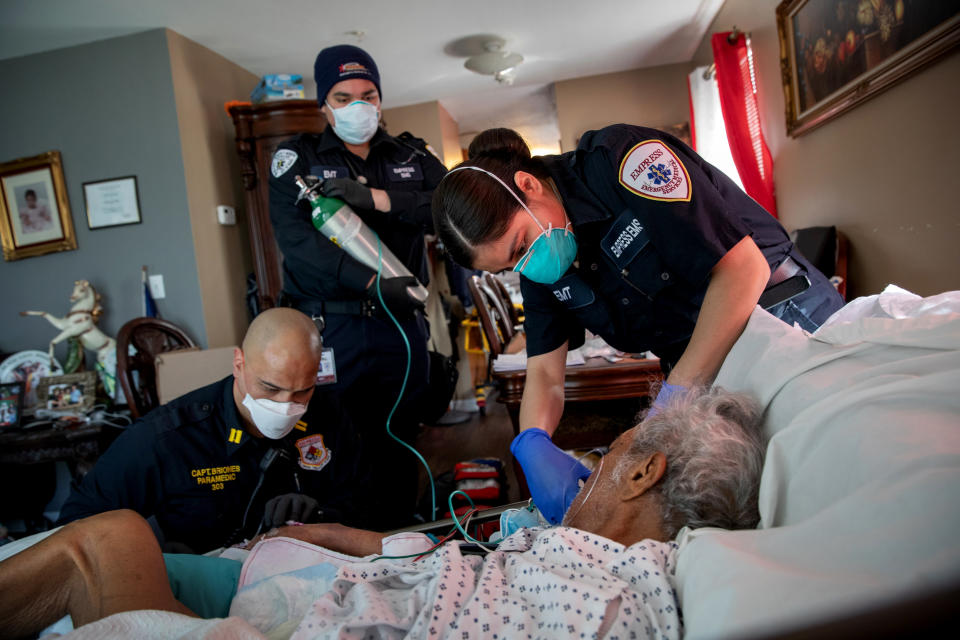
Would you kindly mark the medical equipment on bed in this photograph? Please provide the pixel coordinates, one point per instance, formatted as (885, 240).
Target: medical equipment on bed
(337, 221)
(512, 520)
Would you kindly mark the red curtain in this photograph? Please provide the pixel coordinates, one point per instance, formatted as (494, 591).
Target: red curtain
(741, 114)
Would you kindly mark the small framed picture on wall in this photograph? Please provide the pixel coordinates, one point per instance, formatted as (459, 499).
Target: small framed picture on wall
(111, 203)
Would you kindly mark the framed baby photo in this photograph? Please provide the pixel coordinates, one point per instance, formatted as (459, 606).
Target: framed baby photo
(11, 405)
(71, 393)
(836, 54)
(34, 209)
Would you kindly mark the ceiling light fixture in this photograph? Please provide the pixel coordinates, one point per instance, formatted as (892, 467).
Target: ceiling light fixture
(495, 62)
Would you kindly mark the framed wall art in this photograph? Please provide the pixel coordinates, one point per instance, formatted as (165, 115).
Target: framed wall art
(835, 54)
(111, 203)
(34, 209)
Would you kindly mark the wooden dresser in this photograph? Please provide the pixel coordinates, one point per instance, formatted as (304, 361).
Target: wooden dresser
(260, 128)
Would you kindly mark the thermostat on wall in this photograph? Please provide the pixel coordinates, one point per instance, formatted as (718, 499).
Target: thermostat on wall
(226, 215)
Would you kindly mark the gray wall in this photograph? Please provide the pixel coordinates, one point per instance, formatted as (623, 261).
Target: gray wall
(109, 108)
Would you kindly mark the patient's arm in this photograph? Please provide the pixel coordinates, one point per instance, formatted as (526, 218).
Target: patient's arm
(336, 537)
(91, 569)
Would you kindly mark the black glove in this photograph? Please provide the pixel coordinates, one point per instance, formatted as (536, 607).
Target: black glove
(395, 294)
(289, 506)
(349, 190)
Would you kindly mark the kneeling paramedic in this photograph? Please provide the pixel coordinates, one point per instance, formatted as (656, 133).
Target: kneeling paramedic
(257, 449)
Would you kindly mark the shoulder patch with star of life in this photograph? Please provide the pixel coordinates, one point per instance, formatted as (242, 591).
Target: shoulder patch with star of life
(651, 170)
(283, 159)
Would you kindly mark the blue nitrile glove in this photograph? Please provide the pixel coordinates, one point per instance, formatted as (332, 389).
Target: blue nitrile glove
(552, 475)
(667, 391)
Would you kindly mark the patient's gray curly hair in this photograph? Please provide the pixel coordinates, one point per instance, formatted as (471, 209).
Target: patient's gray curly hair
(714, 447)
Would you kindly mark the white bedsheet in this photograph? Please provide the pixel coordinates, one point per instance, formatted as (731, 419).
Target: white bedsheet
(858, 499)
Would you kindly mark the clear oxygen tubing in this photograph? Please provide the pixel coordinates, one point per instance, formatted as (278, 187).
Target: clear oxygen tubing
(602, 451)
(403, 387)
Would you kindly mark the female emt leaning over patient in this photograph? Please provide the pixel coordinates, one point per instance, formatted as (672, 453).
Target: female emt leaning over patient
(632, 236)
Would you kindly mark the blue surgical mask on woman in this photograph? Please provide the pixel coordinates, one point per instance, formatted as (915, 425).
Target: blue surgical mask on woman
(355, 123)
(553, 251)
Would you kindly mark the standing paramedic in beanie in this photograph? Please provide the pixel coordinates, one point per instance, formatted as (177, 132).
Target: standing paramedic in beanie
(388, 181)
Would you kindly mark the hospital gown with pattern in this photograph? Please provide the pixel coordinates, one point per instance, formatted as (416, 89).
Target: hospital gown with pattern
(557, 582)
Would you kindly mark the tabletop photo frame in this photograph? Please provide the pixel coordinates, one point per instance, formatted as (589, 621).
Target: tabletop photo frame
(112, 203)
(70, 393)
(11, 405)
(34, 209)
(836, 54)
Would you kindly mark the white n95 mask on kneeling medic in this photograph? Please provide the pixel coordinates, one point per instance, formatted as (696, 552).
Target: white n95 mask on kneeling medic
(273, 419)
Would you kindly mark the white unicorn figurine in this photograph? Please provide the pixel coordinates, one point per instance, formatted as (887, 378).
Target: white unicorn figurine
(80, 323)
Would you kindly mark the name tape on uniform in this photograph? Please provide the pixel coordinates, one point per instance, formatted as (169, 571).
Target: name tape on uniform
(283, 159)
(404, 172)
(651, 170)
(215, 477)
(326, 172)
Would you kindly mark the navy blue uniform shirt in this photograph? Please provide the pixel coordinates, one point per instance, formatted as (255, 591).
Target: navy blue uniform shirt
(652, 219)
(192, 465)
(313, 267)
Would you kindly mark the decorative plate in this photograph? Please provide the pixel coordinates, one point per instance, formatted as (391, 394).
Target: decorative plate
(29, 367)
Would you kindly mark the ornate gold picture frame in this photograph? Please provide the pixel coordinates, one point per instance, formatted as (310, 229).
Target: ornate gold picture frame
(34, 209)
(835, 54)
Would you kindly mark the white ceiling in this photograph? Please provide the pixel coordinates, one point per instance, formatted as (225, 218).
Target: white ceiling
(415, 43)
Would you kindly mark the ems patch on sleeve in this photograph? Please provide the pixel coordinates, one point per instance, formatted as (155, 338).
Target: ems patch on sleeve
(283, 159)
(650, 169)
(313, 454)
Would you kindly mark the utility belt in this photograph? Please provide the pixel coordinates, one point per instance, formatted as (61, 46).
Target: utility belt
(787, 281)
(319, 309)
(361, 307)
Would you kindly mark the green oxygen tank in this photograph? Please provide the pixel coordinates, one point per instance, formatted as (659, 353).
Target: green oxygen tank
(337, 221)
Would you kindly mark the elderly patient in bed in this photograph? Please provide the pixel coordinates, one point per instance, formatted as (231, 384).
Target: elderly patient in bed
(696, 464)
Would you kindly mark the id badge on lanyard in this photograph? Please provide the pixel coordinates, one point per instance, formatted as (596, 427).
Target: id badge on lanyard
(327, 373)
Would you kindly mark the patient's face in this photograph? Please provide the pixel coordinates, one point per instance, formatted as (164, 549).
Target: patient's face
(598, 498)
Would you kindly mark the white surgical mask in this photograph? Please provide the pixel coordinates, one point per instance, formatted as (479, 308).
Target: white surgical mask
(355, 123)
(274, 419)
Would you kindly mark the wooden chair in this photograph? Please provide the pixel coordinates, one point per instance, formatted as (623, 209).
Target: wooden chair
(497, 286)
(137, 373)
(493, 317)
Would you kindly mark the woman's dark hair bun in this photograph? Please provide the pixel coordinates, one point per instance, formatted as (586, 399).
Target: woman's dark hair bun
(498, 143)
